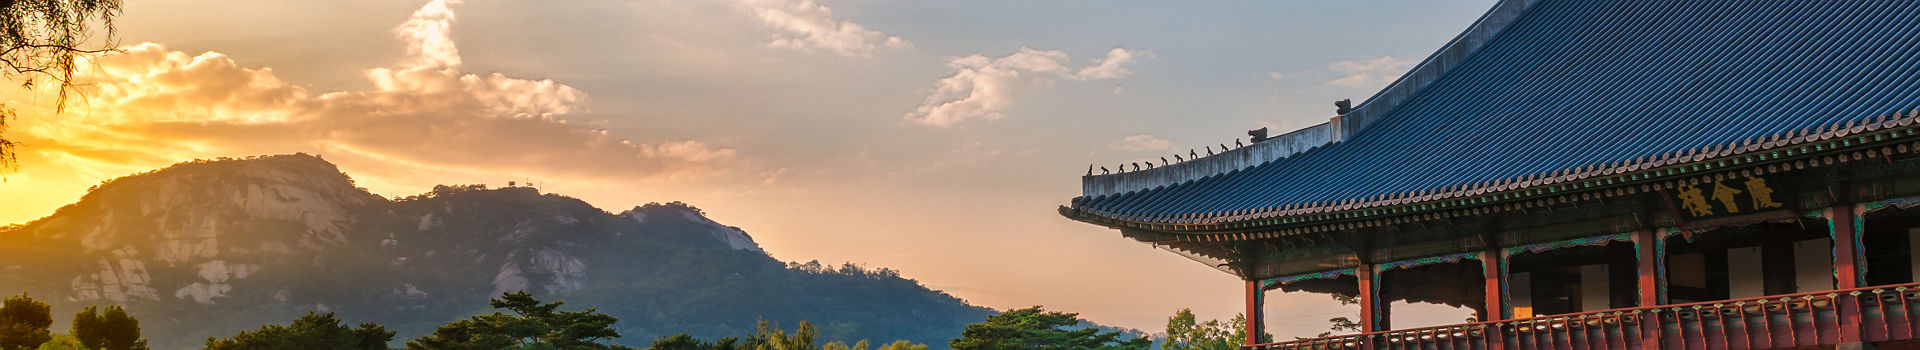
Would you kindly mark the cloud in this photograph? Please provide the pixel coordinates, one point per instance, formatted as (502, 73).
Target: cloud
(806, 25)
(982, 87)
(149, 102)
(1113, 66)
(429, 36)
(1142, 142)
(1370, 72)
(1277, 75)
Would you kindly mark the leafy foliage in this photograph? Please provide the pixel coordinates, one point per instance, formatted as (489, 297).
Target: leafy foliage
(684, 341)
(532, 325)
(62, 342)
(313, 331)
(1034, 328)
(771, 337)
(113, 330)
(24, 322)
(42, 38)
(903, 345)
(1184, 332)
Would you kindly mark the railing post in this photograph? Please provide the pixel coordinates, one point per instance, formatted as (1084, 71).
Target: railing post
(1844, 222)
(1256, 323)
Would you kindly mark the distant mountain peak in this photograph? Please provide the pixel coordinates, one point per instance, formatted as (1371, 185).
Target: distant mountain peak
(734, 237)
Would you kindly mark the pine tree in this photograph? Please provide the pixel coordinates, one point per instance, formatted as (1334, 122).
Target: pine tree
(313, 331)
(113, 330)
(532, 324)
(1033, 328)
(24, 323)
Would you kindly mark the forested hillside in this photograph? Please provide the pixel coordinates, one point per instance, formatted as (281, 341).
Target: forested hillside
(208, 248)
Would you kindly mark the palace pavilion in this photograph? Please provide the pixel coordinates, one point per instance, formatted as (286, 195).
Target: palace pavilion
(1585, 174)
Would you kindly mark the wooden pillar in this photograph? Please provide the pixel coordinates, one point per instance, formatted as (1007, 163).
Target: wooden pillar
(1843, 222)
(1491, 267)
(1256, 322)
(1653, 283)
(1847, 270)
(1652, 264)
(1374, 308)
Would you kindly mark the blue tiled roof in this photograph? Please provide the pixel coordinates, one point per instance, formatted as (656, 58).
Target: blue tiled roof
(1581, 84)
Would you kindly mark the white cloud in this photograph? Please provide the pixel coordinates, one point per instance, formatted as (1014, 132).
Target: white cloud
(421, 114)
(1277, 75)
(982, 87)
(429, 36)
(1142, 142)
(806, 25)
(1113, 66)
(1370, 72)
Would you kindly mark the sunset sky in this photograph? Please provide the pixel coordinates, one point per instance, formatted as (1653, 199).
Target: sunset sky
(936, 138)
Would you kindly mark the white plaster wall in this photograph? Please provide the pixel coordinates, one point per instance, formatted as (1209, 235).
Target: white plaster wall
(1745, 276)
(1813, 265)
(1520, 294)
(1594, 294)
(1913, 252)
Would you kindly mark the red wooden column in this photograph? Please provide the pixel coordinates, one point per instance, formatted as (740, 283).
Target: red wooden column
(1496, 286)
(1653, 288)
(1369, 303)
(1844, 221)
(1374, 312)
(1652, 258)
(1493, 268)
(1256, 322)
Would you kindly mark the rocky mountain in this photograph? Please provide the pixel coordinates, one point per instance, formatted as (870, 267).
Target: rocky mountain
(208, 248)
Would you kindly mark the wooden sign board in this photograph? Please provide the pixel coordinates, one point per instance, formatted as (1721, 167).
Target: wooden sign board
(1740, 195)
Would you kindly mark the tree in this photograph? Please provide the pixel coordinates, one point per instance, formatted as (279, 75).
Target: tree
(313, 331)
(1033, 328)
(1184, 332)
(770, 336)
(531, 325)
(1342, 323)
(24, 322)
(841, 345)
(903, 345)
(42, 38)
(63, 342)
(684, 341)
(114, 330)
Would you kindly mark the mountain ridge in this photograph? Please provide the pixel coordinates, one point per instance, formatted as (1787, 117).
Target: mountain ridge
(210, 247)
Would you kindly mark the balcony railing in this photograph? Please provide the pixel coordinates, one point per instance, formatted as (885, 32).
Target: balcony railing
(1873, 314)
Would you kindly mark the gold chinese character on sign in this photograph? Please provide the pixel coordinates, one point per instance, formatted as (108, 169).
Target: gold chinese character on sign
(1726, 196)
(1691, 199)
(1762, 195)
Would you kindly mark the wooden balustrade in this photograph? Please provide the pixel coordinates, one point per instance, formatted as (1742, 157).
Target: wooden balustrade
(1883, 313)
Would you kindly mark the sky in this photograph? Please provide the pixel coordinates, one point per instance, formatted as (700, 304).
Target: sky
(935, 138)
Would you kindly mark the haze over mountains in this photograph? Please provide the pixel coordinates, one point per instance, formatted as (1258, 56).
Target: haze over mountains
(208, 248)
